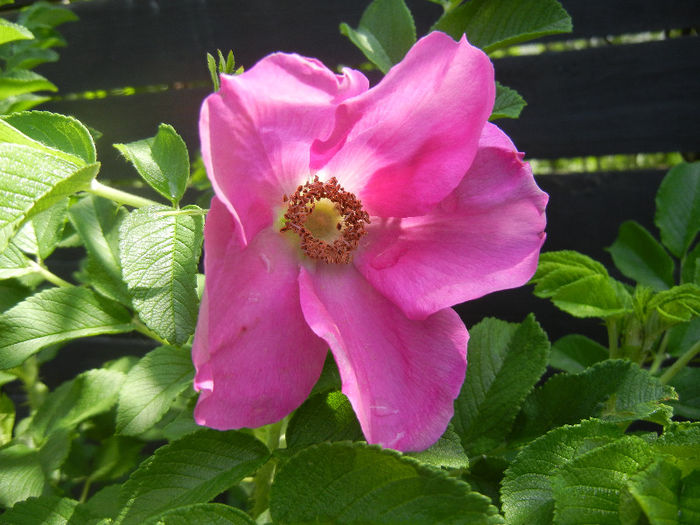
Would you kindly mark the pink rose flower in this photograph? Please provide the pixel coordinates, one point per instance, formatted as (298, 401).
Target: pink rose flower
(355, 218)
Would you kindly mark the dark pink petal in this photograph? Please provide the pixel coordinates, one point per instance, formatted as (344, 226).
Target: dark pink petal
(405, 144)
(255, 356)
(257, 130)
(401, 376)
(485, 236)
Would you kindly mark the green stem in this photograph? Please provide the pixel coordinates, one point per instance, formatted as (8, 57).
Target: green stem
(143, 329)
(35, 389)
(680, 363)
(48, 275)
(612, 338)
(660, 355)
(85, 491)
(119, 196)
(264, 476)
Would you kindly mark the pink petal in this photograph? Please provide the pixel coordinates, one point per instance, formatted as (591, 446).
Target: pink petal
(405, 144)
(485, 236)
(401, 376)
(257, 130)
(255, 356)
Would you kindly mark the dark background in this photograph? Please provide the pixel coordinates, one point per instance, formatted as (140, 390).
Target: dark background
(599, 100)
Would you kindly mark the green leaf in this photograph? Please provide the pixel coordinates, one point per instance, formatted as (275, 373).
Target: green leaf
(508, 103)
(678, 207)
(640, 257)
(656, 490)
(491, 24)
(150, 388)
(330, 377)
(23, 102)
(22, 81)
(677, 305)
(682, 337)
(527, 491)
(88, 394)
(689, 501)
(97, 222)
(191, 470)
(385, 33)
(31, 57)
(105, 502)
(13, 263)
(213, 71)
(587, 489)
(10, 32)
(44, 14)
(54, 316)
(357, 483)
(11, 293)
(573, 353)
(21, 475)
(32, 181)
(44, 509)
(680, 443)
(43, 232)
(579, 285)
(323, 417)
(58, 132)
(116, 457)
(691, 267)
(162, 161)
(7, 419)
(159, 251)
(209, 513)
(447, 452)
(505, 362)
(615, 390)
(687, 386)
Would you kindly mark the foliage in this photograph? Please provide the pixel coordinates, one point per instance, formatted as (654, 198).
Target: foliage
(117, 444)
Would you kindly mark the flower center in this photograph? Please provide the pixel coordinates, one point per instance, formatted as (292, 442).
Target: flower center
(329, 220)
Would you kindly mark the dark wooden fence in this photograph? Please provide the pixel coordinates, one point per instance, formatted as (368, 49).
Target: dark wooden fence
(609, 99)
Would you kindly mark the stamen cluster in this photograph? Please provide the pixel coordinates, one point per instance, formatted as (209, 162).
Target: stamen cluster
(351, 227)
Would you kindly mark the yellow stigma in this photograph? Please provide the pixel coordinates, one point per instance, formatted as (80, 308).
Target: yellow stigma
(324, 222)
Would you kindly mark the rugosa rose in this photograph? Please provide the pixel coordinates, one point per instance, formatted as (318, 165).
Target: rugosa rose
(355, 218)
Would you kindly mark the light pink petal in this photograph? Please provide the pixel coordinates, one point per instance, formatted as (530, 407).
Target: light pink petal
(485, 236)
(257, 130)
(255, 356)
(401, 376)
(405, 144)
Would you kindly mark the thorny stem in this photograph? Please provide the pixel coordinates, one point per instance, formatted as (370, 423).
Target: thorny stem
(264, 476)
(119, 196)
(680, 363)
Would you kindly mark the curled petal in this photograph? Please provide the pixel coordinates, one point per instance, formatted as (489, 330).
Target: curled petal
(255, 356)
(486, 236)
(257, 130)
(404, 145)
(401, 376)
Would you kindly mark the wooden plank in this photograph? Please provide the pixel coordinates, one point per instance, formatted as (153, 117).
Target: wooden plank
(129, 118)
(622, 99)
(120, 42)
(616, 17)
(124, 43)
(617, 99)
